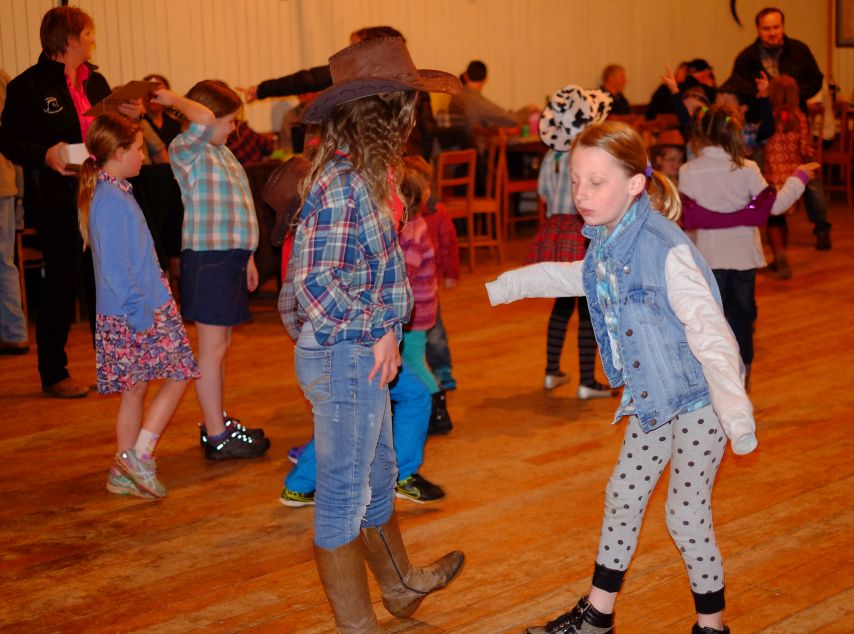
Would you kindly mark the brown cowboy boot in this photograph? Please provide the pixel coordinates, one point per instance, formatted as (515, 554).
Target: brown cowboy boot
(403, 585)
(342, 573)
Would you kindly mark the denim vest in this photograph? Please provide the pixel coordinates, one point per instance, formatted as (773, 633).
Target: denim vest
(662, 374)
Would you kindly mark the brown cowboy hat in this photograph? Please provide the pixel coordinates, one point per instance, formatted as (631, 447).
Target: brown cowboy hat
(372, 67)
(281, 192)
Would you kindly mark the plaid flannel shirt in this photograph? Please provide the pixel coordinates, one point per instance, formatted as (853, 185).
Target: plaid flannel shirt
(348, 271)
(554, 185)
(219, 213)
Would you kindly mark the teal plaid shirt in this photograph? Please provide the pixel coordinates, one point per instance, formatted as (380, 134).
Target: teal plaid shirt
(219, 213)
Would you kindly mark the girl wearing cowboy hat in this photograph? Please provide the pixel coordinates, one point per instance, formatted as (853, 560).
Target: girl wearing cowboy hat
(352, 299)
(569, 111)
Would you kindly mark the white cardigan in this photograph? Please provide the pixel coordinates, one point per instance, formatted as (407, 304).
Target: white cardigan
(709, 336)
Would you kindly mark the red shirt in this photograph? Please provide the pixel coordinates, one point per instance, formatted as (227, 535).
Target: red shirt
(81, 101)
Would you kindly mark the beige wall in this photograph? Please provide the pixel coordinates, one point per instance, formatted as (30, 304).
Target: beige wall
(532, 47)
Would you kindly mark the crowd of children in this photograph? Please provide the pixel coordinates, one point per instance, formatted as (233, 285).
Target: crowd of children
(366, 249)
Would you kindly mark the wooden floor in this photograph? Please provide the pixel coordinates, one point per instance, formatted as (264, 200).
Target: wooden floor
(524, 469)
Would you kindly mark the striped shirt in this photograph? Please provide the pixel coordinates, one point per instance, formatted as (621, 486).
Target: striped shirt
(219, 213)
(348, 268)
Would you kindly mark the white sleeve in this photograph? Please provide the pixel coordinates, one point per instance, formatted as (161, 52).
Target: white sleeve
(713, 344)
(787, 195)
(546, 279)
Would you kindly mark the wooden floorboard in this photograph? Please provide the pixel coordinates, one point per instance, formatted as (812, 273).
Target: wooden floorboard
(524, 470)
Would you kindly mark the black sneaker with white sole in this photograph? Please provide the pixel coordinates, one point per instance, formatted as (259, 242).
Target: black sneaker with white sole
(237, 445)
(231, 424)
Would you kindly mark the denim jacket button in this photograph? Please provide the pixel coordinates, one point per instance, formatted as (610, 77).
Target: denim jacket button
(635, 364)
(644, 394)
(626, 270)
(629, 332)
(652, 421)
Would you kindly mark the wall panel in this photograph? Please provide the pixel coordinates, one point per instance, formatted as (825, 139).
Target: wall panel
(531, 46)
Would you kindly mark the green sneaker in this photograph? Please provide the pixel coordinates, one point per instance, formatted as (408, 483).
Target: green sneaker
(143, 473)
(418, 489)
(292, 498)
(122, 485)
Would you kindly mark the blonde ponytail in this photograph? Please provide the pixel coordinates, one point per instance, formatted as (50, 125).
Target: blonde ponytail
(85, 192)
(663, 195)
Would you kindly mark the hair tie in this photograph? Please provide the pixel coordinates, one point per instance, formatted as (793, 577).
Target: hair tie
(703, 110)
(726, 121)
(648, 171)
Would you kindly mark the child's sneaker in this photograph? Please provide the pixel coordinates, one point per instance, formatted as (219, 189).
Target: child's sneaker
(295, 452)
(582, 619)
(231, 424)
(120, 484)
(554, 379)
(440, 420)
(143, 473)
(595, 390)
(237, 445)
(418, 489)
(292, 498)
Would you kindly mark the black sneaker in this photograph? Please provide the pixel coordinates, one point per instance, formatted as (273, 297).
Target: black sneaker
(822, 241)
(708, 630)
(230, 425)
(237, 445)
(418, 489)
(583, 615)
(440, 419)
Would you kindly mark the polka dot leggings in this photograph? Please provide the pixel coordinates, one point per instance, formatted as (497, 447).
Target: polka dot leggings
(694, 443)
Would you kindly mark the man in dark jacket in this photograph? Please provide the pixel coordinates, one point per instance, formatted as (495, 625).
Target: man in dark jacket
(39, 118)
(319, 78)
(776, 54)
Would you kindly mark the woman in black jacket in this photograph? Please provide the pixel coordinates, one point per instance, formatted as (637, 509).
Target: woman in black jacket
(44, 113)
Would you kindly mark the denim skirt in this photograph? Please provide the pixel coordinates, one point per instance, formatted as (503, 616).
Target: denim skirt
(213, 287)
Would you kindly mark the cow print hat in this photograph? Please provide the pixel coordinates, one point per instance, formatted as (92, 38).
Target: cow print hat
(569, 111)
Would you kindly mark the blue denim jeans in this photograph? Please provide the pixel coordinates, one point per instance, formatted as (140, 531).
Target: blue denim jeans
(439, 354)
(356, 471)
(13, 325)
(411, 402)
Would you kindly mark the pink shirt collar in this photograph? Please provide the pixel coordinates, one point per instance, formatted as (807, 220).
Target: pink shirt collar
(78, 96)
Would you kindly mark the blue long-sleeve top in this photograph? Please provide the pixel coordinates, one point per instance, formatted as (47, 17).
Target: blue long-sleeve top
(127, 273)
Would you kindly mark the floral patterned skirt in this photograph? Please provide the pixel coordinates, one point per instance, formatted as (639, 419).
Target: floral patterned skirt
(125, 357)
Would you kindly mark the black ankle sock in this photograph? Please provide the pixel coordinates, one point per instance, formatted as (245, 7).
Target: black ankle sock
(607, 579)
(710, 602)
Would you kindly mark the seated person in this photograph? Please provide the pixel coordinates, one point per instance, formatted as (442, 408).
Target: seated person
(614, 82)
(470, 109)
(667, 156)
(160, 121)
(660, 102)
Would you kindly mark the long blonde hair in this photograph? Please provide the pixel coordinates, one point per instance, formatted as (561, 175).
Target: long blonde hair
(374, 131)
(627, 148)
(107, 134)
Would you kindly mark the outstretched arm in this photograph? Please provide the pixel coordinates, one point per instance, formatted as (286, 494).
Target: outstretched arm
(546, 279)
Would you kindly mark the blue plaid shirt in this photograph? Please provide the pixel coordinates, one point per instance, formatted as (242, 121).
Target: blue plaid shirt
(349, 272)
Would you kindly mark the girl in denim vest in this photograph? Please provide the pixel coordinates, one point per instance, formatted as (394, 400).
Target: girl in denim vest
(662, 335)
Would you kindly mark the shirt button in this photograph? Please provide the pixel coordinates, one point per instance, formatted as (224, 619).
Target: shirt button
(635, 364)
(626, 270)
(644, 394)
(629, 332)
